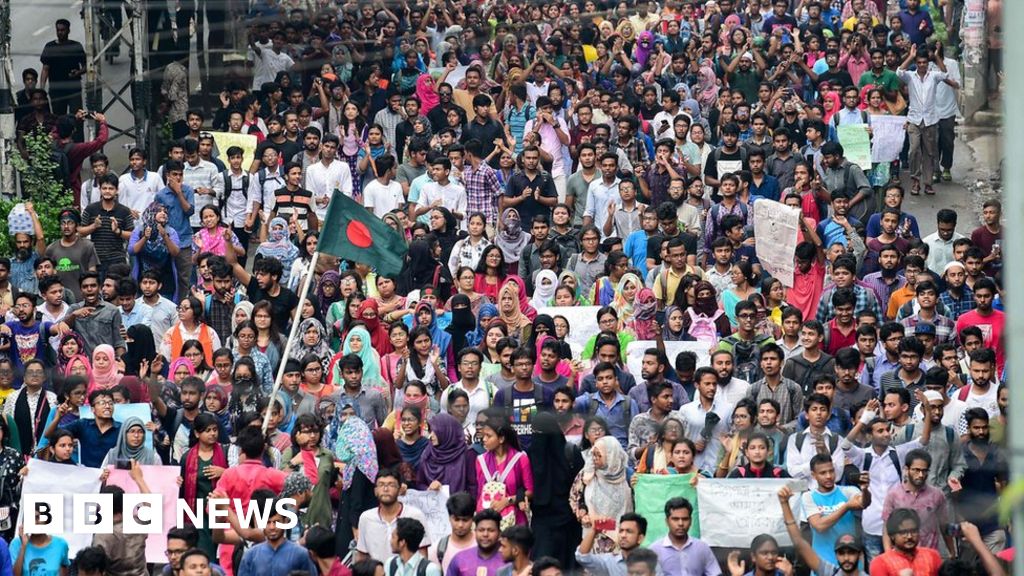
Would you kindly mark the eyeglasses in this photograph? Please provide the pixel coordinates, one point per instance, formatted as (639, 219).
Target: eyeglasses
(314, 369)
(101, 403)
(33, 372)
(746, 316)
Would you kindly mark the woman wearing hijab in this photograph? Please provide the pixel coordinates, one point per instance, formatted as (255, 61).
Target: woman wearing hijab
(511, 239)
(441, 339)
(463, 323)
(369, 314)
(328, 290)
(706, 306)
(427, 94)
(643, 325)
(447, 459)
(131, 445)
(139, 346)
(71, 346)
(312, 340)
(422, 268)
(626, 291)
(555, 464)
(544, 325)
(544, 286)
(523, 295)
(508, 310)
(356, 450)
(600, 491)
(78, 365)
(104, 369)
(445, 229)
(571, 280)
(487, 313)
(358, 342)
(279, 245)
(155, 247)
(673, 330)
(707, 86)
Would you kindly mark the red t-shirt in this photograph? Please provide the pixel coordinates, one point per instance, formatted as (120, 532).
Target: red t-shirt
(806, 290)
(837, 340)
(991, 331)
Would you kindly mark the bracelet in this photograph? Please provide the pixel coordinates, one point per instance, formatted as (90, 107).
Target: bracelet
(790, 523)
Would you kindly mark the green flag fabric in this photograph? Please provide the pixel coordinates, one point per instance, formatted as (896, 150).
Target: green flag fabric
(352, 232)
(651, 493)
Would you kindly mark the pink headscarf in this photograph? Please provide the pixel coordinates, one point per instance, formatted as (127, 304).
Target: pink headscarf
(836, 105)
(107, 378)
(181, 361)
(427, 93)
(85, 362)
(707, 89)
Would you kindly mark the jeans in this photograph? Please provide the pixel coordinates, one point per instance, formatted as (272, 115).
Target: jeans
(183, 264)
(872, 547)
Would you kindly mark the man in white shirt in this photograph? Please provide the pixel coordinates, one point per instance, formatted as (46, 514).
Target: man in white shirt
(236, 190)
(90, 191)
(922, 115)
(442, 191)
(947, 109)
(327, 176)
(269, 59)
(382, 194)
(205, 180)
(137, 187)
(481, 394)
(705, 431)
(940, 242)
(602, 192)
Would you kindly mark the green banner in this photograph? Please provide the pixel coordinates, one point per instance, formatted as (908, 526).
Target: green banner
(651, 493)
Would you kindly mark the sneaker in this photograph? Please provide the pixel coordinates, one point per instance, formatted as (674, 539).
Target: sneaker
(935, 178)
(946, 176)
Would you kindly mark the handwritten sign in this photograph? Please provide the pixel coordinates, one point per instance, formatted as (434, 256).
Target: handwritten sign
(160, 480)
(635, 353)
(433, 505)
(582, 324)
(247, 142)
(887, 135)
(52, 478)
(775, 228)
(856, 144)
(734, 511)
(650, 494)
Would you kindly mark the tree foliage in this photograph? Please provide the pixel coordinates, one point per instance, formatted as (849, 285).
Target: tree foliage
(39, 185)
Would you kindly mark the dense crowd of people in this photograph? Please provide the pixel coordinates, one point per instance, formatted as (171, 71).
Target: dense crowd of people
(534, 158)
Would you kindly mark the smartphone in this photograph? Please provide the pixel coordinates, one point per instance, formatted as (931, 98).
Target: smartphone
(606, 525)
(659, 317)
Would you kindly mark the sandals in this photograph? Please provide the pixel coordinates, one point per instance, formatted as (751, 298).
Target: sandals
(929, 190)
(915, 188)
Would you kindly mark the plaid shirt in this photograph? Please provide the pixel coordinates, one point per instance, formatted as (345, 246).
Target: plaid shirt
(635, 150)
(957, 306)
(945, 329)
(482, 191)
(866, 300)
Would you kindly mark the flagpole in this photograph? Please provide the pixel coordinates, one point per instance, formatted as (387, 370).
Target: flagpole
(296, 320)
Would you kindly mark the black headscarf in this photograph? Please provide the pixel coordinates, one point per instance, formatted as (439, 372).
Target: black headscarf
(140, 346)
(553, 474)
(450, 236)
(463, 322)
(420, 266)
(565, 352)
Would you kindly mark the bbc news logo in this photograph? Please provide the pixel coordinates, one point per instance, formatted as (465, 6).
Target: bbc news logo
(144, 513)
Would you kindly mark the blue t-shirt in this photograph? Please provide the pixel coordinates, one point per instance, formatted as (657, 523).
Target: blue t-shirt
(815, 502)
(45, 561)
(177, 218)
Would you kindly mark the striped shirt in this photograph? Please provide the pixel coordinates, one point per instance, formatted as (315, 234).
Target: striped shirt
(288, 202)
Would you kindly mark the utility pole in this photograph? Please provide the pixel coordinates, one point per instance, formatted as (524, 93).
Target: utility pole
(8, 188)
(141, 87)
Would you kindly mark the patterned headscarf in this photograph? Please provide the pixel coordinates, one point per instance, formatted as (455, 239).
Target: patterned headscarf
(356, 449)
(154, 244)
(328, 277)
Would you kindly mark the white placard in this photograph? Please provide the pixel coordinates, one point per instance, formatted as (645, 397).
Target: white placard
(582, 324)
(67, 480)
(433, 504)
(887, 135)
(775, 228)
(635, 353)
(733, 512)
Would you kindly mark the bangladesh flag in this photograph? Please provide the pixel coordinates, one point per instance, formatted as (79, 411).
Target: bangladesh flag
(353, 233)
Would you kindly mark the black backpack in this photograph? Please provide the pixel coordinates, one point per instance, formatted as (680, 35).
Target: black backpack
(62, 158)
(421, 568)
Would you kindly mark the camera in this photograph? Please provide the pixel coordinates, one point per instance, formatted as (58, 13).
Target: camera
(953, 530)
(123, 464)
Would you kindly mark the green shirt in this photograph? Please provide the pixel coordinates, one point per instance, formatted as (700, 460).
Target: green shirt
(887, 80)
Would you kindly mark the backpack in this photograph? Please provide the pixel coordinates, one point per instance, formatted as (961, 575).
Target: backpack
(442, 547)
(421, 568)
(62, 157)
(208, 302)
(538, 396)
(950, 434)
(746, 358)
(228, 188)
(716, 155)
(494, 488)
(704, 328)
(716, 221)
(832, 441)
(594, 403)
(893, 457)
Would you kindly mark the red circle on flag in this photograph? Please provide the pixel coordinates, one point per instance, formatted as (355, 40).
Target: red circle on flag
(358, 234)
